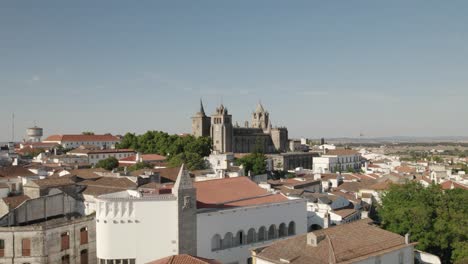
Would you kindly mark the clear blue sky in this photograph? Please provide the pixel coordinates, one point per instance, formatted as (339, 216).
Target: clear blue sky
(322, 68)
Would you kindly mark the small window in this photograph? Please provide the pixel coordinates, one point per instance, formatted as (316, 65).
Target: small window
(2, 248)
(84, 256)
(83, 236)
(26, 247)
(65, 238)
(66, 259)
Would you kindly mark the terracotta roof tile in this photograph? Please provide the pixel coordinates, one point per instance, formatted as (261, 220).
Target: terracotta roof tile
(15, 171)
(84, 138)
(54, 182)
(99, 151)
(342, 243)
(237, 191)
(184, 259)
(448, 185)
(15, 201)
(145, 158)
(111, 182)
(341, 152)
(98, 190)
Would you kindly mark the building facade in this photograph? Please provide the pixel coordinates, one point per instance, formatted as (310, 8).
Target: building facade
(74, 141)
(338, 160)
(226, 137)
(217, 219)
(60, 240)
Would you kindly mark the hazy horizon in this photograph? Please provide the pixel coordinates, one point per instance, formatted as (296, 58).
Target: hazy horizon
(323, 69)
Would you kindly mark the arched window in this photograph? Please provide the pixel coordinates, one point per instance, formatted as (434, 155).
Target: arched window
(84, 256)
(282, 230)
(262, 234)
(251, 236)
(314, 227)
(216, 242)
(227, 240)
(272, 232)
(291, 228)
(239, 240)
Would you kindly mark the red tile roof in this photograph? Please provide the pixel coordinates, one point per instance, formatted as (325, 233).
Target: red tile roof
(184, 259)
(341, 152)
(233, 192)
(145, 157)
(347, 243)
(15, 171)
(448, 185)
(14, 201)
(87, 138)
(98, 151)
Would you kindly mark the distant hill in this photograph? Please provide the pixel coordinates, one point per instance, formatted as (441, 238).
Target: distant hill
(399, 139)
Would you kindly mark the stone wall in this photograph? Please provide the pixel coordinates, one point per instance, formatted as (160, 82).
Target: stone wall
(45, 246)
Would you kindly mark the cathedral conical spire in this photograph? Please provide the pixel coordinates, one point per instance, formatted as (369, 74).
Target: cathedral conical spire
(259, 108)
(202, 110)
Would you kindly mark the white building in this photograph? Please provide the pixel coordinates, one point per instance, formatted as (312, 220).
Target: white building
(323, 210)
(337, 160)
(94, 155)
(74, 141)
(217, 219)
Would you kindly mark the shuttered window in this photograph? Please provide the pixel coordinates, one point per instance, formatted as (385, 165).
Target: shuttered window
(66, 259)
(84, 256)
(2, 248)
(83, 236)
(65, 238)
(26, 247)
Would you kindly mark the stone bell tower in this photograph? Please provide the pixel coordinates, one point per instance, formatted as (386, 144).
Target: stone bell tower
(201, 123)
(260, 118)
(221, 130)
(186, 212)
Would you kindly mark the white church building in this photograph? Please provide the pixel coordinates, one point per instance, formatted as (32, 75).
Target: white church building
(218, 219)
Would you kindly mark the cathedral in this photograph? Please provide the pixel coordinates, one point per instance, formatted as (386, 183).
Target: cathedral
(226, 137)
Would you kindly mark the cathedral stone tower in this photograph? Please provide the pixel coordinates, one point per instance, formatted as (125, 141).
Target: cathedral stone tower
(186, 213)
(221, 130)
(260, 118)
(201, 123)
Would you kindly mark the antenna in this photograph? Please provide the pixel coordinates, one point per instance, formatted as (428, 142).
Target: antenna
(13, 127)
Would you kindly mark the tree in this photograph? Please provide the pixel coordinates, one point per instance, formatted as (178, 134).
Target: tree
(108, 164)
(139, 166)
(436, 219)
(87, 133)
(254, 162)
(178, 149)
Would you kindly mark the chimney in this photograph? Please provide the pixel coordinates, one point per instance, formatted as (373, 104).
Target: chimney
(313, 239)
(407, 238)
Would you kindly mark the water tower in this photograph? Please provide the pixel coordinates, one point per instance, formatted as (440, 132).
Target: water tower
(34, 134)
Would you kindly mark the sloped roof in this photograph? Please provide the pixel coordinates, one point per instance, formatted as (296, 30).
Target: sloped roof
(448, 185)
(145, 158)
(87, 173)
(14, 201)
(342, 244)
(184, 259)
(52, 182)
(233, 192)
(15, 171)
(111, 182)
(341, 152)
(80, 137)
(98, 190)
